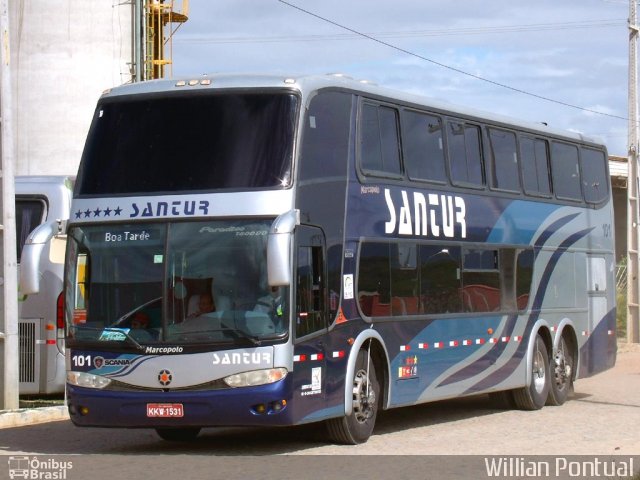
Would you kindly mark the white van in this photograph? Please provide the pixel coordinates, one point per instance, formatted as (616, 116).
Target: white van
(42, 206)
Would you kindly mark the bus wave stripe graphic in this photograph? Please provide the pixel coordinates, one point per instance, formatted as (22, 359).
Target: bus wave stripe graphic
(496, 351)
(503, 372)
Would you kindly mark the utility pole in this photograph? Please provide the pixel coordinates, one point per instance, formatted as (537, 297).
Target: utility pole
(633, 281)
(9, 350)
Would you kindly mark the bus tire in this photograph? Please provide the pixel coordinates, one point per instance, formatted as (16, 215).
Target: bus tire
(562, 370)
(357, 427)
(534, 395)
(178, 434)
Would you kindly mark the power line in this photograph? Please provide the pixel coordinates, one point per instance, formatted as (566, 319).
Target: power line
(449, 67)
(498, 29)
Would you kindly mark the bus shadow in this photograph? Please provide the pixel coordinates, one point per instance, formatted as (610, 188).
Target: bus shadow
(62, 438)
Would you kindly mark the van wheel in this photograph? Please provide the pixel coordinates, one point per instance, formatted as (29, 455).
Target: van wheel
(562, 368)
(534, 395)
(178, 434)
(358, 426)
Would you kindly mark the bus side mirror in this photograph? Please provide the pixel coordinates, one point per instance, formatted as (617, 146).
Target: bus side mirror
(279, 248)
(36, 245)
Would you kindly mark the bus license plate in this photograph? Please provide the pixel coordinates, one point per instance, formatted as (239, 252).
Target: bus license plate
(165, 410)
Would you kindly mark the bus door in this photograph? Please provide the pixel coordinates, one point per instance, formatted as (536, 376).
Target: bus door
(310, 321)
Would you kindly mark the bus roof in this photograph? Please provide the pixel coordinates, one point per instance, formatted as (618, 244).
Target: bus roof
(309, 83)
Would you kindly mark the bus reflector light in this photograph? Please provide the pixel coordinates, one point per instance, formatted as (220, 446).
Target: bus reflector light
(260, 409)
(50, 326)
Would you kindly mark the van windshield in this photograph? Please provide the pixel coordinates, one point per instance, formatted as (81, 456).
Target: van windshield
(172, 283)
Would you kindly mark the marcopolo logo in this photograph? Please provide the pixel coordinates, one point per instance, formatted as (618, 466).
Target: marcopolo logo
(35, 468)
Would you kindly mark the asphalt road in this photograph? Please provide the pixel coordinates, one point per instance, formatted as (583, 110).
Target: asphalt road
(601, 420)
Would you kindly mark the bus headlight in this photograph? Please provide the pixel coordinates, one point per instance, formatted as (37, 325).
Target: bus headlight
(88, 380)
(256, 377)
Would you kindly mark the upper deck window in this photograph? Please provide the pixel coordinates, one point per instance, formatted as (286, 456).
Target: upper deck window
(594, 175)
(465, 154)
(566, 173)
(423, 146)
(504, 170)
(535, 166)
(160, 144)
(379, 141)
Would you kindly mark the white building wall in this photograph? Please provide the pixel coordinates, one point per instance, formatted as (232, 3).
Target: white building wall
(64, 54)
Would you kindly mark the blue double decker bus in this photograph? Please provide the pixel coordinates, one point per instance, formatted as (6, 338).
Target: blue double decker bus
(261, 251)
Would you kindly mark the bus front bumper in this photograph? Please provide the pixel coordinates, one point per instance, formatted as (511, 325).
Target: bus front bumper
(265, 405)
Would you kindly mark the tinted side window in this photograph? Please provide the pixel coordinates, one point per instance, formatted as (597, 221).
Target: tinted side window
(594, 175)
(565, 171)
(535, 166)
(423, 147)
(524, 275)
(504, 170)
(465, 157)
(440, 280)
(379, 141)
(374, 292)
(325, 147)
(404, 280)
(29, 214)
(481, 281)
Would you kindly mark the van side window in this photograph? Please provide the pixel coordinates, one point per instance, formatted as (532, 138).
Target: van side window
(29, 214)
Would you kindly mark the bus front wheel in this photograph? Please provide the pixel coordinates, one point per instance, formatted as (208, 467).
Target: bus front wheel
(534, 395)
(357, 427)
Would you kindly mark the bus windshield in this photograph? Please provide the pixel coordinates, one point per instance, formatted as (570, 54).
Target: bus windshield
(189, 142)
(172, 283)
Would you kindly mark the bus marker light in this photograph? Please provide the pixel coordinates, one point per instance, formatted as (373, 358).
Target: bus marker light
(493, 340)
(206, 81)
(50, 326)
(405, 348)
(351, 341)
(422, 346)
(180, 83)
(466, 342)
(453, 343)
(84, 410)
(193, 82)
(490, 331)
(438, 345)
(517, 338)
(261, 408)
(505, 339)
(339, 354)
(479, 341)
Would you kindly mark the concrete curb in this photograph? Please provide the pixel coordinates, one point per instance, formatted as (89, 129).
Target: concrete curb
(32, 416)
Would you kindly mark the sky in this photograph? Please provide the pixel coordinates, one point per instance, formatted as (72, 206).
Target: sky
(563, 62)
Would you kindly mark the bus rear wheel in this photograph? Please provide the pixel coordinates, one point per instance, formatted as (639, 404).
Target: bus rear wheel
(357, 427)
(562, 368)
(534, 395)
(178, 434)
